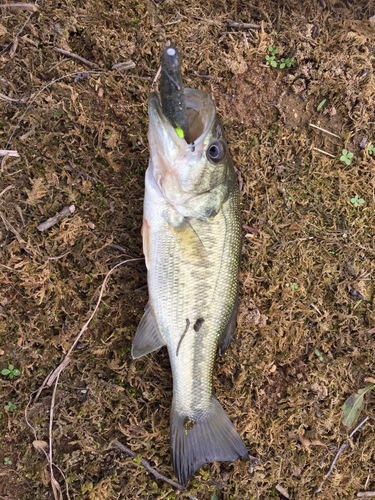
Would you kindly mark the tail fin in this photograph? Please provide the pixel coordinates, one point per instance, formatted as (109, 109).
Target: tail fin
(211, 438)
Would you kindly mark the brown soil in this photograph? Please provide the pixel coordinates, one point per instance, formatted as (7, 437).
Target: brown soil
(306, 275)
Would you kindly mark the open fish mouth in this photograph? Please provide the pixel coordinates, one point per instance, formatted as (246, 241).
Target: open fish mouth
(200, 113)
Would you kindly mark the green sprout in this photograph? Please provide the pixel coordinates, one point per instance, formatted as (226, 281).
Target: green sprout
(273, 50)
(345, 158)
(371, 149)
(287, 62)
(7, 461)
(271, 61)
(11, 371)
(318, 354)
(11, 406)
(321, 105)
(293, 286)
(357, 201)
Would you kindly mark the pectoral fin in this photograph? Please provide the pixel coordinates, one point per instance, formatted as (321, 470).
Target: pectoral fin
(226, 336)
(147, 337)
(189, 244)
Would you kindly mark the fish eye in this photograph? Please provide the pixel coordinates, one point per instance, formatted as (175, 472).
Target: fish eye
(215, 151)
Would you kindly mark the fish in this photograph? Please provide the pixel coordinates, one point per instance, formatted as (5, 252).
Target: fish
(192, 246)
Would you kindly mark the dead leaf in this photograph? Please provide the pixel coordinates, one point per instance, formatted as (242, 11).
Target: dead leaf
(283, 491)
(40, 446)
(354, 405)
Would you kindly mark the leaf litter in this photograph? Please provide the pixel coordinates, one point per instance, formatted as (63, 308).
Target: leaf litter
(83, 142)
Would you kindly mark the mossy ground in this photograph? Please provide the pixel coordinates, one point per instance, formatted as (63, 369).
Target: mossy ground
(306, 275)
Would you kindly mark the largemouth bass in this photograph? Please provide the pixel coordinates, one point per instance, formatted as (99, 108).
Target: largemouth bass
(191, 242)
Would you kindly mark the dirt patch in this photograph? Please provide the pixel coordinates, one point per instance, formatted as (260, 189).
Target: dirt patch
(308, 250)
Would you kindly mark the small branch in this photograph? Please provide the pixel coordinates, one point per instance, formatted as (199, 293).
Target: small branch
(245, 26)
(324, 152)
(54, 220)
(55, 485)
(8, 152)
(289, 242)
(31, 7)
(341, 449)
(209, 77)
(145, 464)
(366, 494)
(124, 65)
(6, 98)
(324, 130)
(76, 56)
(9, 268)
(6, 189)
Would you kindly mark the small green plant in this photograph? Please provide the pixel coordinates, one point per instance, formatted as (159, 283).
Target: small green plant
(273, 50)
(270, 59)
(318, 354)
(287, 62)
(11, 406)
(99, 427)
(56, 114)
(371, 149)
(7, 461)
(357, 201)
(11, 371)
(346, 156)
(293, 286)
(321, 105)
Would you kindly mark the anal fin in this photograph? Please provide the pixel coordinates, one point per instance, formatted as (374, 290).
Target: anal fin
(226, 336)
(147, 337)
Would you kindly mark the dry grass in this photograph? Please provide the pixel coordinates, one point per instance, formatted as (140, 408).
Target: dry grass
(84, 143)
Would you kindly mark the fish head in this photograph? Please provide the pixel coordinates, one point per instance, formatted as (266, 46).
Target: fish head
(194, 178)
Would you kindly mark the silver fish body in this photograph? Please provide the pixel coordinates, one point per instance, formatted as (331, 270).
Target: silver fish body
(191, 241)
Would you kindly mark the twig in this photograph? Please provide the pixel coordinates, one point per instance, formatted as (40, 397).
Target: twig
(122, 66)
(24, 6)
(324, 152)
(157, 75)
(54, 483)
(324, 130)
(6, 98)
(316, 309)
(341, 449)
(59, 256)
(288, 242)
(55, 219)
(366, 494)
(8, 152)
(234, 24)
(3, 160)
(76, 56)
(117, 247)
(10, 269)
(6, 189)
(209, 77)
(145, 464)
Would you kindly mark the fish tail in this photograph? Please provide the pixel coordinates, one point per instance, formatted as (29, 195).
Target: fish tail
(208, 439)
